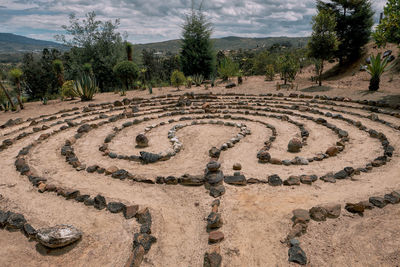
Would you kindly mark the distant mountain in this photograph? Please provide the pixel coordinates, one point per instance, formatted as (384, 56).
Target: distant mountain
(12, 43)
(229, 43)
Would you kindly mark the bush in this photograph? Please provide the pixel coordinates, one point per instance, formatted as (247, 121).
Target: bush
(227, 68)
(189, 82)
(270, 72)
(127, 72)
(288, 67)
(67, 90)
(85, 87)
(177, 78)
(198, 79)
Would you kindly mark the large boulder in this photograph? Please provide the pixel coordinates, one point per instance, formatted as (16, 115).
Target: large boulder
(58, 236)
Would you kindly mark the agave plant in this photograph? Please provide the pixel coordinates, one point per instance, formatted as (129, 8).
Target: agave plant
(198, 79)
(85, 87)
(376, 68)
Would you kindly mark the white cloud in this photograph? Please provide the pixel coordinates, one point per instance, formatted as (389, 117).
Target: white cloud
(155, 20)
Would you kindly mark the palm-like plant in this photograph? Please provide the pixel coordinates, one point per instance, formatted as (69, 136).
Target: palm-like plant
(85, 87)
(198, 79)
(376, 68)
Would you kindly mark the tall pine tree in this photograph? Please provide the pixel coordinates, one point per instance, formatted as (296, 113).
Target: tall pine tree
(354, 21)
(197, 56)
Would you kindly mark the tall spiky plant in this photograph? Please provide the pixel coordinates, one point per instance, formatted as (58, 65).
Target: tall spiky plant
(85, 87)
(376, 68)
(59, 70)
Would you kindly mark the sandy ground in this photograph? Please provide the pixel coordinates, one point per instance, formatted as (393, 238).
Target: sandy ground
(256, 217)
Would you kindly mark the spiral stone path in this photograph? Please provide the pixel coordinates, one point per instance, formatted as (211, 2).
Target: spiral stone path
(217, 185)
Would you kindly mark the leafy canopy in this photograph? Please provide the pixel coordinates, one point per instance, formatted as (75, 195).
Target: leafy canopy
(388, 31)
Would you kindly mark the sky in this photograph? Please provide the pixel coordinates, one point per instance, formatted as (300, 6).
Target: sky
(148, 21)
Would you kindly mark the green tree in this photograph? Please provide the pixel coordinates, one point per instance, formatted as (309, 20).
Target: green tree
(16, 76)
(388, 31)
(354, 21)
(177, 78)
(323, 43)
(376, 68)
(127, 72)
(59, 70)
(95, 42)
(269, 72)
(288, 67)
(227, 69)
(197, 56)
(129, 51)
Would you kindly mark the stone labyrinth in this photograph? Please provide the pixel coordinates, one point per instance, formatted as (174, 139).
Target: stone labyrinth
(241, 162)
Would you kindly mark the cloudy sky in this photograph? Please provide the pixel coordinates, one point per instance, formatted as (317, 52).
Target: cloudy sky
(159, 20)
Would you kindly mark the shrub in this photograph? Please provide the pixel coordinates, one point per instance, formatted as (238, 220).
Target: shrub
(376, 68)
(189, 82)
(177, 78)
(270, 72)
(67, 90)
(85, 87)
(288, 67)
(127, 72)
(198, 79)
(227, 68)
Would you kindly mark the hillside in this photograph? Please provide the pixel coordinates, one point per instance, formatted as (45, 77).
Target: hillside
(229, 43)
(12, 43)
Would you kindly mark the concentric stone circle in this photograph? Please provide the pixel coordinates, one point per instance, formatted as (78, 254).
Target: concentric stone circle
(333, 132)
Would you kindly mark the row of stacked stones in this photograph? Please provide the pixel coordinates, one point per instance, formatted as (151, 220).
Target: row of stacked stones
(212, 258)
(51, 237)
(302, 217)
(62, 235)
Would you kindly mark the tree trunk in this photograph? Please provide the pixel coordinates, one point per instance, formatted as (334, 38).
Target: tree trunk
(19, 95)
(374, 83)
(321, 69)
(8, 96)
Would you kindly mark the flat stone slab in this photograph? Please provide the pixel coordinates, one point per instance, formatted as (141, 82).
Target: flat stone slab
(58, 236)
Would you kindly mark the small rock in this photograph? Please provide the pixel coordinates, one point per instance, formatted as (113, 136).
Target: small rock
(58, 236)
(333, 210)
(99, 202)
(355, 207)
(379, 202)
(301, 216)
(142, 141)
(263, 156)
(237, 166)
(295, 145)
(274, 180)
(215, 237)
(111, 170)
(29, 230)
(318, 214)
(115, 207)
(16, 221)
(235, 180)
(143, 239)
(213, 166)
(297, 255)
(292, 180)
(212, 259)
(332, 151)
(392, 198)
(214, 152)
(217, 191)
(130, 211)
(214, 220)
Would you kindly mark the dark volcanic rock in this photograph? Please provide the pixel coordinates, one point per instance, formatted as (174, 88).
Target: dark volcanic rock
(263, 156)
(235, 180)
(355, 207)
(99, 202)
(379, 202)
(190, 180)
(297, 255)
(214, 220)
(29, 231)
(217, 191)
(120, 174)
(301, 216)
(115, 207)
(147, 157)
(130, 211)
(274, 180)
(341, 175)
(16, 221)
(292, 180)
(144, 240)
(214, 152)
(212, 259)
